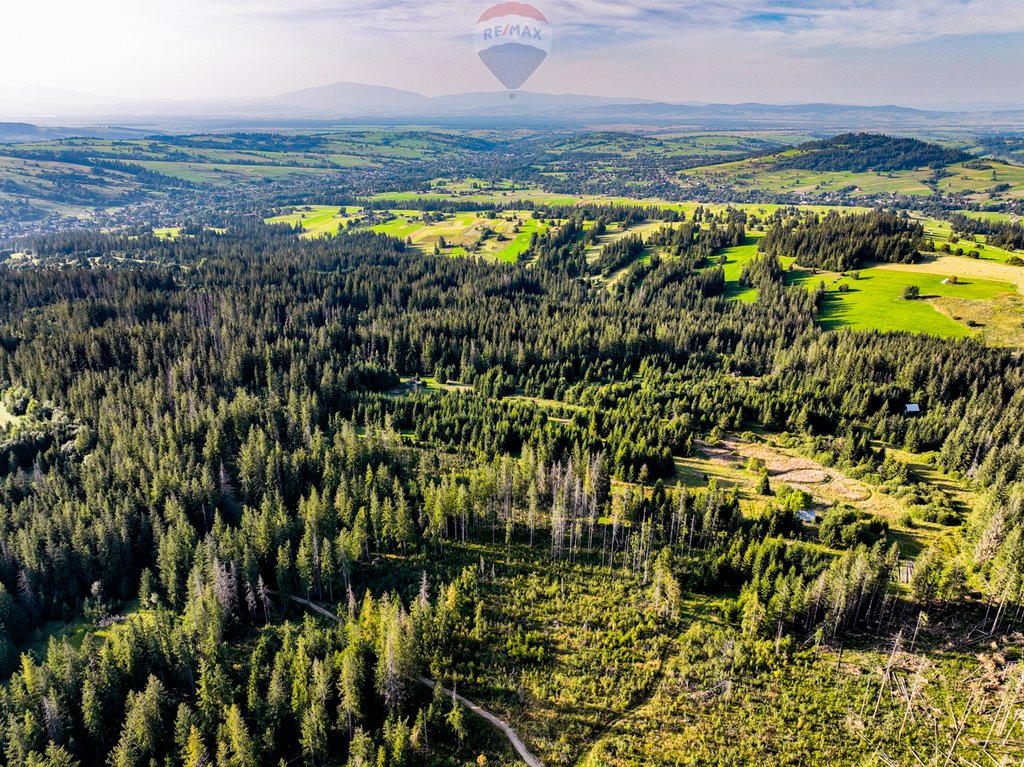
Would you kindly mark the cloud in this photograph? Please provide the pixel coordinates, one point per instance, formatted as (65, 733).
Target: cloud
(249, 47)
(805, 24)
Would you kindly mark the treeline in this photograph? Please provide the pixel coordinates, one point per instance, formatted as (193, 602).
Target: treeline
(1000, 234)
(692, 242)
(838, 243)
(618, 254)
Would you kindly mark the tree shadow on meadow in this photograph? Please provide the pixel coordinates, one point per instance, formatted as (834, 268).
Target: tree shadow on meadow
(834, 313)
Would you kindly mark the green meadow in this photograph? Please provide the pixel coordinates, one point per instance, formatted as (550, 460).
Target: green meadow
(462, 233)
(167, 232)
(875, 302)
(736, 257)
(317, 220)
(942, 233)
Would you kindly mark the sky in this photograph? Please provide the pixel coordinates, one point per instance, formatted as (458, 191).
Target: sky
(909, 52)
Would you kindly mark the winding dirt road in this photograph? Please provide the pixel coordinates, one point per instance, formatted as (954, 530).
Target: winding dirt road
(501, 724)
(483, 713)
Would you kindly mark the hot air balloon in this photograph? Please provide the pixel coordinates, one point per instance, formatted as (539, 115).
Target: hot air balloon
(512, 39)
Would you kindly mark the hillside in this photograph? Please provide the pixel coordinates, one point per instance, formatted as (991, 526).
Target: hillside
(864, 152)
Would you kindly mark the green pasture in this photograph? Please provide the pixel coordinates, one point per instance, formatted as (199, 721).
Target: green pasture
(875, 302)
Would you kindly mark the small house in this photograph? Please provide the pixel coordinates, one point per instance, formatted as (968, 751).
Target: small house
(912, 409)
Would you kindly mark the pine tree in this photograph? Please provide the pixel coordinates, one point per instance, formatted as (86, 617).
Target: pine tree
(314, 724)
(456, 720)
(361, 750)
(195, 754)
(142, 731)
(350, 683)
(235, 745)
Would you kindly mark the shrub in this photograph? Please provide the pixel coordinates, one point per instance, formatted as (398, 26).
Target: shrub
(793, 499)
(844, 528)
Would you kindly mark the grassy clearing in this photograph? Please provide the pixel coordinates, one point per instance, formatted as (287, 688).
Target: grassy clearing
(317, 220)
(505, 237)
(970, 270)
(875, 302)
(76, 631)
(614, 234)
(984, 300)
(942, 233)
(519, 243)
(735, 258)
(1000, 321)
(788, 463)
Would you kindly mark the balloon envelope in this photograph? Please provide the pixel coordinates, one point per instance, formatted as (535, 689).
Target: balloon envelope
(512, 40)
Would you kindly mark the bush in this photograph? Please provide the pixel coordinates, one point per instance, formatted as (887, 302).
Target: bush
(763, 486)
(844, 528)
(793, 499)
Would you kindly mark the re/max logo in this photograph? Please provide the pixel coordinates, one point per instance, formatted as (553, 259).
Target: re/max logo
(512, 30)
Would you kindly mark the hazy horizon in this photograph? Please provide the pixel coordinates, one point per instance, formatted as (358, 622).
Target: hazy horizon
(780, 51)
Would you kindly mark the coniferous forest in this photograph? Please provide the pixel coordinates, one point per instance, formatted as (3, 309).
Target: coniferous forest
(272, 499)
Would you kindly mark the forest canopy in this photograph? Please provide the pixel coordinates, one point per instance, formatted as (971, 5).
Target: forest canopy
(867, 152)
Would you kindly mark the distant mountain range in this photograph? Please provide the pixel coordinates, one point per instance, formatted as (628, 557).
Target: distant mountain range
(19, 132)
(339, 100)
(354, 103)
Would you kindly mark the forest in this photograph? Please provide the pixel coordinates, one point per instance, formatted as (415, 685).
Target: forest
(203, 446)
(862, 152)
(274, 499)
(838, 242)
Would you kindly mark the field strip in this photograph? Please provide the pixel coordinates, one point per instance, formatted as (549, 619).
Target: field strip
(962, 267)
(506, 729)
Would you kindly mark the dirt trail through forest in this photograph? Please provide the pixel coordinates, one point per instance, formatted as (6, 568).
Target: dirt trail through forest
(501, 724)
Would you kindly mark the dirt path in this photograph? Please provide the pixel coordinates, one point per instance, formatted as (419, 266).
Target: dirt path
(501, 724)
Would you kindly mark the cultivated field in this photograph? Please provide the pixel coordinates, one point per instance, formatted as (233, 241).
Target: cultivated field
(504, 237)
